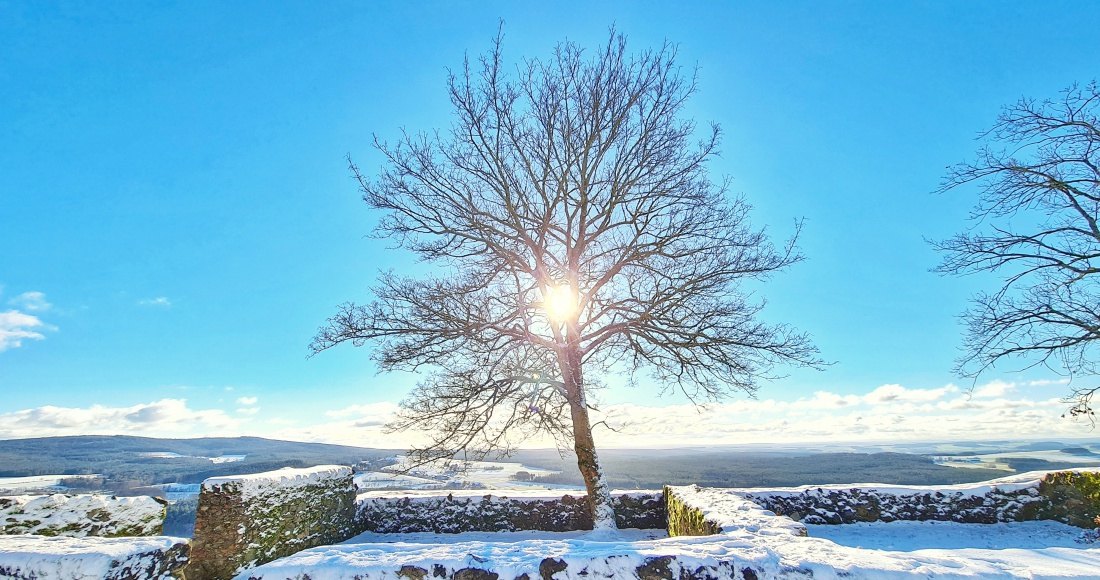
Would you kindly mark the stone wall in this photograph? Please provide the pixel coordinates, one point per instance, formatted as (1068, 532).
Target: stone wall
(81, 515)
(687, 520)
(1071, 497)
(500, 511)
(247, 520)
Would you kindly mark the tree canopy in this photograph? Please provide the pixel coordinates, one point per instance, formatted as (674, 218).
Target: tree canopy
(1036, 226)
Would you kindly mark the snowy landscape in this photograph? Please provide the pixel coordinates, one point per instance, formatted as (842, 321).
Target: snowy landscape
(752, 537)
(570, 290)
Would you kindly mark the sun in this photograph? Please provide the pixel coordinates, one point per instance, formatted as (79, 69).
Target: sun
(559, 302)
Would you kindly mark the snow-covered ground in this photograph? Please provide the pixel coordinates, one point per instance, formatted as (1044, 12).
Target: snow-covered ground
(632, 535)
(779, 556)
(902, 536)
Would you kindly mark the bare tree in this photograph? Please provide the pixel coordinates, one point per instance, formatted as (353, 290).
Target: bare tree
(1039, 202)
(576, 233)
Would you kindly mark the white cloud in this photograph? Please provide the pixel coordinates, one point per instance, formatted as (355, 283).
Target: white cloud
(348, 433)
(887, 414)
(898, 393)
(376, 410)
(164, 418)
(361, 425)
(825, 399)
(994, 389)
(16, 326)
(160, 301)
(1047, 382)
(31, 302)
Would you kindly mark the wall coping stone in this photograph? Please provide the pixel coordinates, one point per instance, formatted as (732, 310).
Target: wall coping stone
(31, 557)
(79, 515)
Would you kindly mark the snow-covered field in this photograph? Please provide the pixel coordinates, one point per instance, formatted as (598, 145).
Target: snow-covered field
(173, 455)
(372, 480)
(161, 455)
(18, 485)
(178, 491)
(458, 473)
(227, 458)
(997, 460)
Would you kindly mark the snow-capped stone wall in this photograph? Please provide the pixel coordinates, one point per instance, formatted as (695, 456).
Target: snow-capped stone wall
(247, 520)
(1071, 497)
(499, 511)
(81, 515)
(685, 519)
(91, 558)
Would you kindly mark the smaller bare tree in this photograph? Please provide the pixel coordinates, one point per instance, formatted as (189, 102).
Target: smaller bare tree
(1039, 202)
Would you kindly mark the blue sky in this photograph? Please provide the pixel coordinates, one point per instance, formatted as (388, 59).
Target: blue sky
(177, 219)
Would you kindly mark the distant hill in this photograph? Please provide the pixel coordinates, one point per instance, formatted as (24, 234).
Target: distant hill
(135, 461)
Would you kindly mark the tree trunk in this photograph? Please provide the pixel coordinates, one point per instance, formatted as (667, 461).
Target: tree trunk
(599, 494)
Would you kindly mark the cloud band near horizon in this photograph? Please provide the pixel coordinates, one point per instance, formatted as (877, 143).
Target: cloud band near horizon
(889, 413)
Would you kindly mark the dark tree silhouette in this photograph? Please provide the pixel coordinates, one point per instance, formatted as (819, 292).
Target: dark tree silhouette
(576, 232)
(1038, 204)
